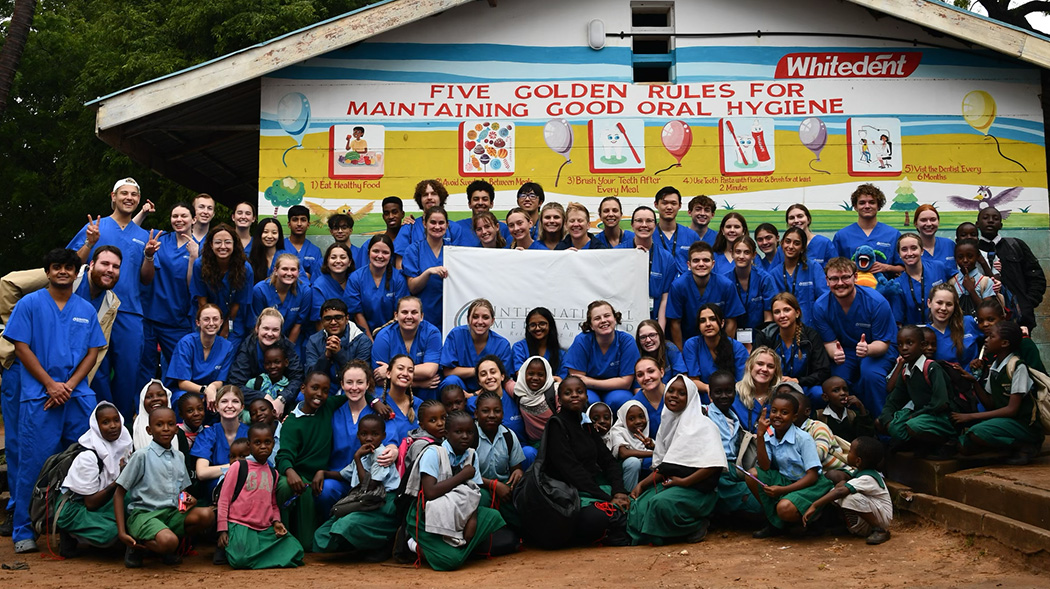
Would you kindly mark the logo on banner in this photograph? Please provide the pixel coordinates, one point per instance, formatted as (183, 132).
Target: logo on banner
(898, 64)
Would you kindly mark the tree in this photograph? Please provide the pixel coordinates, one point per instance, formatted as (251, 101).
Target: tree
(905, 199)
(1000, 10)
(14, 45)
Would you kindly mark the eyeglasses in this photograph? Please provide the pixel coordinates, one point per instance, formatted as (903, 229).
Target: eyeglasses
(537, 326)
(527, 195)
(837, 279)
(331, 318)
(649, 336)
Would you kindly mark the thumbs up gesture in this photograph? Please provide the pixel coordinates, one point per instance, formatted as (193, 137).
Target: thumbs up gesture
(862, 347)
(839, 357)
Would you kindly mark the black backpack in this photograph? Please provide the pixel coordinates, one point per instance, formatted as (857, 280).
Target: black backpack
(45, 505)
(242, 477)
(961, 384)
(553, 506)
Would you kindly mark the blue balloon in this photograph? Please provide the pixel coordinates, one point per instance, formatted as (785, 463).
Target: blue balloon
(293, 113)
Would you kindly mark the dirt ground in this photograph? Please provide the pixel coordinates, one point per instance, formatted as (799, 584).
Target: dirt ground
(918, 555)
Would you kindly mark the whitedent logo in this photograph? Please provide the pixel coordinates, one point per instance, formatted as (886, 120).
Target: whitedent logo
(848, 65)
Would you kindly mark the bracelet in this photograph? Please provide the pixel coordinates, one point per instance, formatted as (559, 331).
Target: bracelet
(149, 258)
(203, 388)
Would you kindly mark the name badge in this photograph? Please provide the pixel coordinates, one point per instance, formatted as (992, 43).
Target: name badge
(652, 304)
(744, 336)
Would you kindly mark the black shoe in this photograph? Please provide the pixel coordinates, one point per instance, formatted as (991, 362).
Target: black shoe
(7, 527)
(376, 555)
(945, 452)
(878, 537)
(402, 554)
(67, 545)
(219, 558)
(700, 533)
(767, 532)
(172, 558)
(1018, 458)
(132, 558)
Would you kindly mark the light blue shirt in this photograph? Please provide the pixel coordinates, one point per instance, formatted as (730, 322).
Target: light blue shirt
(728, 429)
(153, 478)
(383, 474)
(428, 462)
(794, 454)
(493, 457)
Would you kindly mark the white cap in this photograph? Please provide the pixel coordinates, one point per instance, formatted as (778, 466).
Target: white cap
(125, 182)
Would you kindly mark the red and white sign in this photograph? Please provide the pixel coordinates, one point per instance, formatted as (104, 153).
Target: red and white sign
(891, 64)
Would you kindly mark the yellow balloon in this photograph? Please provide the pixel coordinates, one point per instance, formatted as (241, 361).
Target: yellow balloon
(978, 110)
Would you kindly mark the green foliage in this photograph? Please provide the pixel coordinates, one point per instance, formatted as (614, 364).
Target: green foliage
(55, 171)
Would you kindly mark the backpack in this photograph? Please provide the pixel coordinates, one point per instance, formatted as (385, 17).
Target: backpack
(553, 506)
(242, 478)
(48, 500)
(1040, 390)
(961, 385)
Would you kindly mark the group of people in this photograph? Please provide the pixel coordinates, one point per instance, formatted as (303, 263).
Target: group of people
(228, 380)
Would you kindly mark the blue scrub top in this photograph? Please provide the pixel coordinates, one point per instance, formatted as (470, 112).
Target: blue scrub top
(212, 446)
(324, 287)
(399, 426)
(748, 417)
(459, 352)
(869, 314)
(188, 363)
(132, 242)
(766, 266)
(662, 272)
(700, 363)
(882, 237)
(376, 303)
(943, 252)
(807, 284)
(821, 249)
(627, 237)
(344, 436)
(653, 413)
(426, 347)
(791, 364)
(60, 339)
(756, 300)
(520, 353)
(586, 356)
(678, 244)
(723, 265)
(225, 297)
(946, 347)
(466, 236)
(310, 256)
(410, 235)
(295, 308)
(684, 300)
(511, 414)
(168, 301)
(414, 262)
(909, 305)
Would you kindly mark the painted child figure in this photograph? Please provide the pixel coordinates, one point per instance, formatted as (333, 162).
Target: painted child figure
(249, 522)
(629, 442)
(157, 518)
(446, 522)
(787, 479)
(734, 497)
(864, 499)
(500, 458)
(844, 413)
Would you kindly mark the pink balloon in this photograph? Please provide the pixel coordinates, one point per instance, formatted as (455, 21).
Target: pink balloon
(677, 138)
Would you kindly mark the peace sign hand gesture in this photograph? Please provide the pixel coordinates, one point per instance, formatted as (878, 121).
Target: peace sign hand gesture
(93, 233)
(154, 242)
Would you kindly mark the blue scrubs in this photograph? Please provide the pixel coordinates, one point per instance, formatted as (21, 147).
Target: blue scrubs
(467, 238)
(295, 308)
(520, 353)
(684, 300)
(946, 347)
(322, 288)
(60, 339)
(459, 352)
(767, 265)
(412, 234)
(310, 256)
(225, 297)
(398, 426)
(627, 237)
(756, 300)
(723, 265)
(821, 249)
(678, 244)
(882, 238)
(943, 252)
(586, 356)
(212, 446)
(10, 387)
(700, 363)
(869, 315)
(414, 262)
(100, 384)
(344, 445)
(167, 306)
(426, 347)
(909, 305)
(748, 417)
(125, 350)
(376, 303)
(807, 284)
(662, 272)
(188, 363)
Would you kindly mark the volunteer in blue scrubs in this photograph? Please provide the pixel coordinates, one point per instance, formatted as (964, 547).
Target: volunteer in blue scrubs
(754, 288)
(713, 349)
(485, 226)
(290, 294)
(803, 358)
(480, 197)
(940, 249)
(541, 339)
(859, 333)
(373, 290)
(957, 334)
(819, 249)
(610, 211)
(168, 316)
(201, 362)
(410, 335)
(868, 200)
(423, 264)
(243, 217)
(767, 238)
(120, 230)
(701, 211)
(223, 277)
(212, 446)
(797, 274)
(920, 275)
(652, 344)
(57, 338)
(521, 235)
(267, 244)
(428, 193)
(690, 291)
(662, 269)
(733, 227)
(309, 254)
(603, 357)
(333, 281)
(672, 236)
(530, 198)
(467, 344)
(552, 225)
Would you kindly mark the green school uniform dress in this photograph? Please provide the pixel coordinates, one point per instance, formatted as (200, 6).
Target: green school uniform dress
(919, 404)
(306, 443)
(363, 530)
(1006, 432)
(791, 457)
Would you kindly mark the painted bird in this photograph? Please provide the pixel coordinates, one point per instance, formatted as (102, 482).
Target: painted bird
(320, 214)
(984, 199)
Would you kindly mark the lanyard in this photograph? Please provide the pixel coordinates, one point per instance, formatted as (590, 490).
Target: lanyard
(789, 358)
(674, 239)
(744, 296)
(917, 304)
(794, 279)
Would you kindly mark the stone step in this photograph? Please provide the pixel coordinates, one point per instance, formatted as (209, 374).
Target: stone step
(928, 476)
(1018, 492)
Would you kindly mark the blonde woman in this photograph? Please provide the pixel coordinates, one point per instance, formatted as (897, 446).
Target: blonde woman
(761, 377)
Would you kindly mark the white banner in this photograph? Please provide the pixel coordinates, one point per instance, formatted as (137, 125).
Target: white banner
(564, 282)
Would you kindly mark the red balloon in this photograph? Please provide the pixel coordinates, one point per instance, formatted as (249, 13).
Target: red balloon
(677, 138)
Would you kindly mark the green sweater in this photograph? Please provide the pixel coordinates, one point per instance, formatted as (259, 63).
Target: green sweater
(306, 440)
(927, 397)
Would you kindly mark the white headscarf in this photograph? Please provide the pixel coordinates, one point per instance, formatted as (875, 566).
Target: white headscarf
(83, 477)
(527, 396)
(138, 429)
(620, 435)
(607, 438)
(688, 438)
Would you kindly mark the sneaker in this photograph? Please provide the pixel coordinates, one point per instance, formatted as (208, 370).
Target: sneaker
(700, 533)
(24, 546)
(767, 532)
(172, 558)
(878, 537)
(219, 558)
(132, 558)
(67, 545)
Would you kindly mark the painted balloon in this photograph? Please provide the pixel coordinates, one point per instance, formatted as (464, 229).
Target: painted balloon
(813, 134)
(293, 114)
(677, 138)
(558, 135)
(978, 110)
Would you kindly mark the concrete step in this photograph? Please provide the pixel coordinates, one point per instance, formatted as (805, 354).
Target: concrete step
(928, 476)
(1021, 493)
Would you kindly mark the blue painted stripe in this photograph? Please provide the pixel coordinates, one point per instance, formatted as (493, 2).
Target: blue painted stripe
(495, 70)
(483, 52)
(322, 73)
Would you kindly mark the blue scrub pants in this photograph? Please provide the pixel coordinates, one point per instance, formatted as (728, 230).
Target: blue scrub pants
(611, 398)
(9, 393)
(866, 378)
(331, 492)
(42, 434)
(125, 354)
(816, 397)
(154, 334)
(101, 384)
